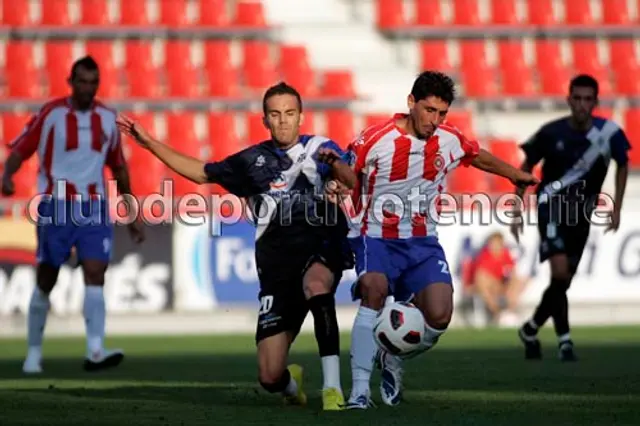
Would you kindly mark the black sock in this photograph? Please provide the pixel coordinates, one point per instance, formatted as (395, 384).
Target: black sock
(280, 385)
(325, 322)
(560, 312)
(544, 309)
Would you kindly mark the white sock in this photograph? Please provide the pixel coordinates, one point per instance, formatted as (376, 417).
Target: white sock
(331, 371)
(37, 319)
(431, 336)
(94, 316)
(363, 350)
(291, 389)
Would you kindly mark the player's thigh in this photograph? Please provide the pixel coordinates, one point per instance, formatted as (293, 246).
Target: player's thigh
(577, 237)
(54, 243)
(93, 247)
(431, 284)
(376, 268)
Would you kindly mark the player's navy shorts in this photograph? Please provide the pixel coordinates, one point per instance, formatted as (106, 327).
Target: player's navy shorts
(410, 264)
(63, 225)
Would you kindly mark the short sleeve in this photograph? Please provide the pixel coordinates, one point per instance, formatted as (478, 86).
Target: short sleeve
(619, 147)
(533, 148)
(471, 149)
(324, 170)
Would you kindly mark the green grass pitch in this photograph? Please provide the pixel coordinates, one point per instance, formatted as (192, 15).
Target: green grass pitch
(471, 378)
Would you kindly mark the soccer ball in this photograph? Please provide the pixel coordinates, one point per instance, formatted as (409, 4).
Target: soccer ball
(399, 328)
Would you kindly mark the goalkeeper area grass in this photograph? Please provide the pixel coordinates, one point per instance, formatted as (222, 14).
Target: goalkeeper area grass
(473, 377)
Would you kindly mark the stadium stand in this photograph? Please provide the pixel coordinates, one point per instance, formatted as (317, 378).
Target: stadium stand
(198, 67)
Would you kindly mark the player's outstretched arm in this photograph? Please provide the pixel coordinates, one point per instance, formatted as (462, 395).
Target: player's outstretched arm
(187, 167)
(489, 163)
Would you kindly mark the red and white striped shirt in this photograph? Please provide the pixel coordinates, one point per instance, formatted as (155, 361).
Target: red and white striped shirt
(73, 147)
(401, 178)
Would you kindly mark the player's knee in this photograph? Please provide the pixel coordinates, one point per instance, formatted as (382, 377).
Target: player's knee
(439, 317)
(374, 289)
(47, 275)
(315, 287)
(94, 272)
(271, 380)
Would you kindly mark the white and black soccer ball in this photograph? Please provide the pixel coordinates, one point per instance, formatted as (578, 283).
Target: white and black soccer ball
(399, 328)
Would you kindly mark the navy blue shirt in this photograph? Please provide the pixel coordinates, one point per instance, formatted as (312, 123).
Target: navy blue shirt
(575, 163)
(285, 192)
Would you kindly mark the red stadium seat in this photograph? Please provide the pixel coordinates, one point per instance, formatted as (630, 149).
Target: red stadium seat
(373, 119)
(517, 78)
(24, 84)
(554, 75)
(21, 53)
(339, 127)
(250, 14)
(55, 13)
(463, 121)
(308, 126)
(95, 12)
(182, 136)
(585, 56)
(540, 12)
(615, 12)
(223, 137)
(508, 151)
(428, 12)
(338, 83)
(182, 76)
(467, 180)
(256, 132)
(26, 180)
(16, 13)
(59, 58)
(296, 69)
(503, 12)
(626, 81)
(622, 54)
(479, 83)
(174, 13)
(466, 12)
(631, 125)
(222, 77)
(603, 112)
(142, 76)
(13, 124)
(511, 54)
(390, 14)
(578, 12)
(473, 54)
(213, 13)
(435, 55)
(134, 12)
(258, 67)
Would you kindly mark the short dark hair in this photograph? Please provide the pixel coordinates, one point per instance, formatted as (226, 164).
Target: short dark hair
(584, 80)
(434, 83)
(281, 88)
(87, 63)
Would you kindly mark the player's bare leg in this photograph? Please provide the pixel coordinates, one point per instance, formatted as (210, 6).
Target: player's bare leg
(554, 304)
(274, 375)
(318, 283)
(489, 289)
(373, 288)
(435, 301)
(39, 306)
(94, 311)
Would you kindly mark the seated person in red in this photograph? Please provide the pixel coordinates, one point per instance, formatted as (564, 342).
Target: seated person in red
(491, 275)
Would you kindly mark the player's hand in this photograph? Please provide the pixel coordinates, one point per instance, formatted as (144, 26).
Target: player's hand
(134, 130)
(615, 221)
(328, 156)
(8, 188)
(136, 232)
(522, 178)
(335, 190)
